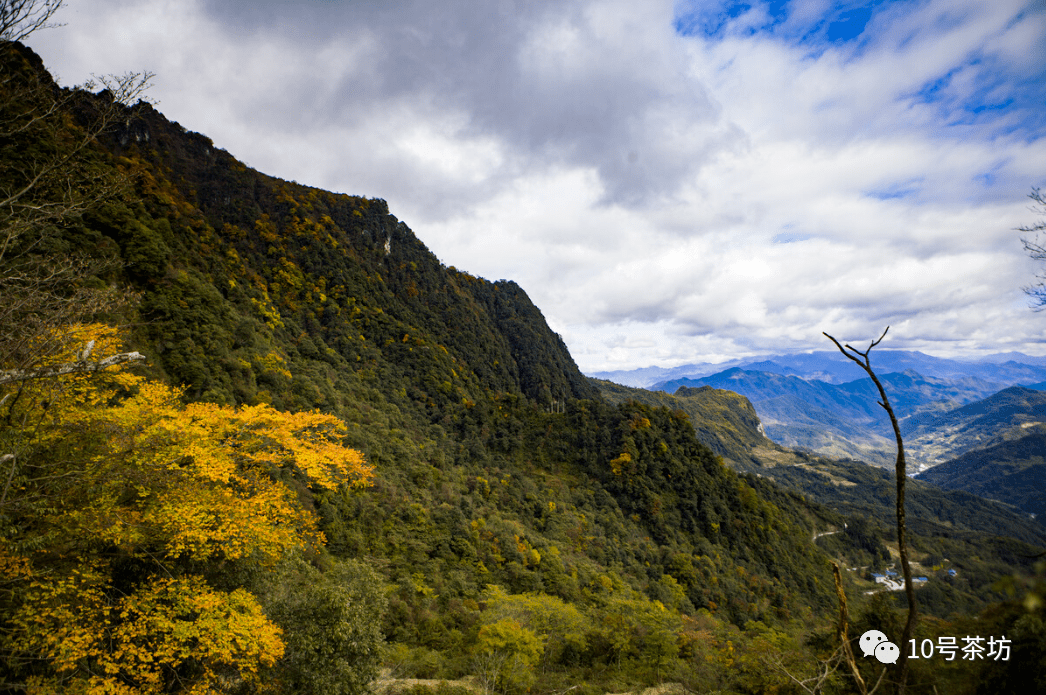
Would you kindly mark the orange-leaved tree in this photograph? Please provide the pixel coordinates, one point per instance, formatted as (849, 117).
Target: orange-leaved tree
(120, 511)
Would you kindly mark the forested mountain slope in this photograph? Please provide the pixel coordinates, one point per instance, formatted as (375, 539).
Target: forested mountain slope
(278, 292)
(724, 421)
(1001, 416)
(981, 537)
(1012, 471)
(499, 474)
(727, 424)
(337, 271)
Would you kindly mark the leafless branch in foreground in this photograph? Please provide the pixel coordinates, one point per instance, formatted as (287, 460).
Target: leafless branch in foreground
(862, 359)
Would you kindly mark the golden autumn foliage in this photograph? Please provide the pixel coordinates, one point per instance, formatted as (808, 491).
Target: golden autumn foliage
(111, 470)
(618, 464)
(137, 642)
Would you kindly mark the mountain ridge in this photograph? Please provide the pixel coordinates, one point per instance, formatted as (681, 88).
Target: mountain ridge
(1012, 471)
(244, 210)
(833, 367)
(976, 425)
(843, 420)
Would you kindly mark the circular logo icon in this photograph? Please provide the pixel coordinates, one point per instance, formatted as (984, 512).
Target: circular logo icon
(887, 653)
(870, 640)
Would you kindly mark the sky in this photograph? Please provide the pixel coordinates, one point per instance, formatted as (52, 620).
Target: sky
(670, 182)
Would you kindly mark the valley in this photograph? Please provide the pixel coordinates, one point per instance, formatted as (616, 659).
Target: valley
(942, 415)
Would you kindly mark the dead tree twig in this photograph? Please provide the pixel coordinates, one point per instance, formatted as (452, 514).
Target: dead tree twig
(842, 629)
(862, 359)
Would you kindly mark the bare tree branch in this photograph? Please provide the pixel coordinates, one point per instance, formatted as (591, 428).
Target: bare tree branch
(20, 18)
(842, 629)
(815, 684)
(1035, 249)
(81, 367)
(862, 359)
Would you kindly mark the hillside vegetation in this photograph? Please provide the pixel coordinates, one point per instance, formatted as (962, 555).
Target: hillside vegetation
(1001, 416)
(1012, 471)
(949, 529)
(494, 468)
(339, 454)
(724, 421)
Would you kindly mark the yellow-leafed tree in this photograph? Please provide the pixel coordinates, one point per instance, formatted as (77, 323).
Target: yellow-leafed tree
(121, 505)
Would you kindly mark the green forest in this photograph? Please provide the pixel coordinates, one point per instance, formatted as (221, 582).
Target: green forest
(256, 438)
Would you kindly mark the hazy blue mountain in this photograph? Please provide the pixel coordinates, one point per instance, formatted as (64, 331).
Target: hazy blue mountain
(1018, 357)
(843, 420)
(645, 377)
(1004, 369)
(759, 386)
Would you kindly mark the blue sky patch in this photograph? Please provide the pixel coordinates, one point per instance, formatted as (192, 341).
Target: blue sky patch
(895, 191)
(990, 94)
(841, 22)
(696, 18)
(848, 24)
(987, 179)
(691, 20)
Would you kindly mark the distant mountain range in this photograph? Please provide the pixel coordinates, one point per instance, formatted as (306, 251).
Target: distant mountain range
(823, 403)
(1007, 369)
(968, 426)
